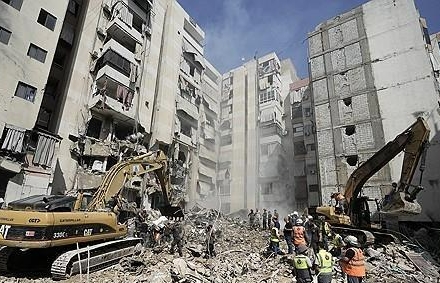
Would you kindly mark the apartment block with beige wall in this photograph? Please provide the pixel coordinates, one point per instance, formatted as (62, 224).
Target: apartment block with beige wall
(27, 152)
(371, 76)
(126, 76)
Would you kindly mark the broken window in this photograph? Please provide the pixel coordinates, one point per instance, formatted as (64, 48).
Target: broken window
(350, 130)
(347, 101)
(114, 60)
(352, 160)
(298, 130)
(26, 91)
(94, 128)
(225, 125)
(267, 96)
(296, 110)
(231, 94)
(46, 19)
(299, 148)
(121, 132)
(307, 112)
(73, 7)
(37, 53)
(185, 129)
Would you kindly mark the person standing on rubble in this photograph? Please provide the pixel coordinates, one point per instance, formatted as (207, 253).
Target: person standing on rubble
(325, 231)
(353, 263)
(288, 234)
(264, 219)
(275, 214)
(274, 241)
(302, 265)
(299, 234)
(336, 244)
(178, 232)
(257, 223)
(269, 220)
(276, 223)
(210, 242)
(312, 232)
(251, 217)
(324, 265)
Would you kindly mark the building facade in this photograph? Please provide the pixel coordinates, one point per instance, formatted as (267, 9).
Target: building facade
(104, 80)
(371, 77)
(252, 167)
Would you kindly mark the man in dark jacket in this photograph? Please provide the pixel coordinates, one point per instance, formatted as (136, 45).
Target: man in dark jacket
(178, 232)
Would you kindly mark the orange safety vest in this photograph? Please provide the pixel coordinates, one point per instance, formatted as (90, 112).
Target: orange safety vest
(356, 266)
(298, 235)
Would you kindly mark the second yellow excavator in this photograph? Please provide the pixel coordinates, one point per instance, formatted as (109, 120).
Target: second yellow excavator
(82, 231)
(352, 209)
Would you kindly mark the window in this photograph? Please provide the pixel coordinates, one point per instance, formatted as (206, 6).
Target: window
(311, 147)
(14, 3)
(298, 130)
(26, 91)
(226, 140)
(73, 7)
(37, 53)
(313, 188)
(267, 189)
(46, 19)
(267, 96)
(299, 148)
(94, 128)
(4, 35)
(307, 112)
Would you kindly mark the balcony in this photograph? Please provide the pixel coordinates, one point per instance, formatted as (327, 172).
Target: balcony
(120, 27)
(205, 170)
(118, 48)
(206, 153)
(187, 107)
(113, 98)
(36, 148)
(209, 132)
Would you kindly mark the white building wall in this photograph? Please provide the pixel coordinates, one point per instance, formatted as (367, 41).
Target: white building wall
(17, 66)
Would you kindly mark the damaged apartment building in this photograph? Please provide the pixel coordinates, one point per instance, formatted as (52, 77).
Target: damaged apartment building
(101, 81)
(371, 76)
(253, 161)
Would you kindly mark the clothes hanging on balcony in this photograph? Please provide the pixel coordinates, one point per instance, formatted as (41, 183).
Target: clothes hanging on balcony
(124, 96)
(14, 138)
(45, 150)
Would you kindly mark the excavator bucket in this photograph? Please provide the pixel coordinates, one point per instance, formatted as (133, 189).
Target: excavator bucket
(171, 211)
(396, 204)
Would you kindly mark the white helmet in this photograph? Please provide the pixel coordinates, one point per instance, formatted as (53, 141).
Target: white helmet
(351, 240)
(298, 222)
(295, 213)
(310, 217)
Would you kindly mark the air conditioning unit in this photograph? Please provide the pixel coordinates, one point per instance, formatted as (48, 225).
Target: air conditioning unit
(95, 54)
(106, 7)
(313, 172)
(147, 30)
(101, 31)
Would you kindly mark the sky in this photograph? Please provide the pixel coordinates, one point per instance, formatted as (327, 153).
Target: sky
(236, 30)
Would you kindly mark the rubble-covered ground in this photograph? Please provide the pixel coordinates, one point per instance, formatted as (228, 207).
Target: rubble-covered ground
(241, 257)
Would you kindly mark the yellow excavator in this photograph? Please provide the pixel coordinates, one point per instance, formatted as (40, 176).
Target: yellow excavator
(80, 232)
(352, 209)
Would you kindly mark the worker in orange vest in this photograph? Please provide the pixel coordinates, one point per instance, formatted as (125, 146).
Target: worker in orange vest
(299, 234)
(353, 263)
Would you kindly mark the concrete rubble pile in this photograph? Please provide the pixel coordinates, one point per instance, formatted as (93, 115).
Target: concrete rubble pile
(242, 256)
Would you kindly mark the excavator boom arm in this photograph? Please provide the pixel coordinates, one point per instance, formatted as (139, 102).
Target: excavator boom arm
(412, 141)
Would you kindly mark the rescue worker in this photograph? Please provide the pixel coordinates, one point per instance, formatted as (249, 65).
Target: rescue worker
(325, 231)
(276, 223)
(299, 234)
(302, 265)
(178, 232)
(312, 232)
(288, 234)
(324, 265)
(257, 223)
(353, 263)
(251, 216)
(264, 219)
(295, 216)
(275, 214)
(274, 241)
(336, 244)
(269, 220)
(210, 241)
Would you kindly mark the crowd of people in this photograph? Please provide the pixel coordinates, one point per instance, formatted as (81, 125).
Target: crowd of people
(314, 244)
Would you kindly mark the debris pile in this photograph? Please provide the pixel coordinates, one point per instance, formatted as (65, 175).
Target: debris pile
(242, 257)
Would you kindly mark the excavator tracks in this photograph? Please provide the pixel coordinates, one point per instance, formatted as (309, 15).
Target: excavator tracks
(92, 258)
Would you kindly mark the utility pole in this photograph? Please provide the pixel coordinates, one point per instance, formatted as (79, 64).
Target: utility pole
(257, 134)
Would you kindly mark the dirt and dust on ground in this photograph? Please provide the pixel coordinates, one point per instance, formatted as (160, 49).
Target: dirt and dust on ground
(242, 256)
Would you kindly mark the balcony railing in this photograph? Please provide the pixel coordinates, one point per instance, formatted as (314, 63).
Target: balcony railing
(206, 153)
